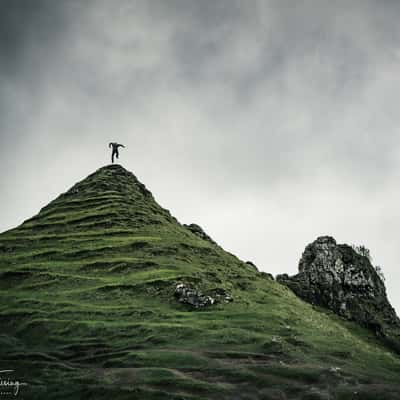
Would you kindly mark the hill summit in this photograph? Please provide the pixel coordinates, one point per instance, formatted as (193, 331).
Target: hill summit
(111, 197)
(105, 294)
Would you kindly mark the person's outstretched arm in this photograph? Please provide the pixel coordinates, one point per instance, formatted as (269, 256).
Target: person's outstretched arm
(121, 145)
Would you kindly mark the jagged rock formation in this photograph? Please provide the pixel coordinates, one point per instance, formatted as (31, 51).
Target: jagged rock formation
(335, 276)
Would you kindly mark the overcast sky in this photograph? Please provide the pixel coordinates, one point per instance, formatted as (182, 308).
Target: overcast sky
(268, 123)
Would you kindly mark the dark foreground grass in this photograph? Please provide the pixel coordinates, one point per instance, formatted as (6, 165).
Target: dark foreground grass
(87, 311)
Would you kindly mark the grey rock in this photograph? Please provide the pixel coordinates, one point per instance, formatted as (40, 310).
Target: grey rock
(221, 295)
(335, 276)
(188, 294)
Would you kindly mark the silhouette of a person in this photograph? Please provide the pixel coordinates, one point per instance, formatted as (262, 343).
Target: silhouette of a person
(115, 151)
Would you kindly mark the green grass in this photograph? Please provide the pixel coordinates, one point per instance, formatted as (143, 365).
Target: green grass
(87, 309)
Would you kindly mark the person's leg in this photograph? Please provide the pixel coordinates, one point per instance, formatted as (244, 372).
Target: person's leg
(112, 156)
(117, 153)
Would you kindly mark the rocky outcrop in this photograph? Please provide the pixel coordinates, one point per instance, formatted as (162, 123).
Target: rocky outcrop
(198, 231)
(252, 265)
(188, 294)
(264, 274)
(267, 275)
(335, 276)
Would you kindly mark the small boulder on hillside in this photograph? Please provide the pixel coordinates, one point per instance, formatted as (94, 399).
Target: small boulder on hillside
(252, 265)
(189, 295)
(267, 275)
(198, 231)
(264, 274)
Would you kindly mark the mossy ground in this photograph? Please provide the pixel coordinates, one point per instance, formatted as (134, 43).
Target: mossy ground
(87, 311)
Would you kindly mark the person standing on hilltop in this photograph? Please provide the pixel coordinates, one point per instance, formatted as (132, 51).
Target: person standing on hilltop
(115, 151)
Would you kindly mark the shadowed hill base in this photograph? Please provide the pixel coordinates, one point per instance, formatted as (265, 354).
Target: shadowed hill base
(88, 311)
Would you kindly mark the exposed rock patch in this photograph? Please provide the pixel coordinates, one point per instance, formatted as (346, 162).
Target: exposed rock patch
(190, 295)
(337, 277)
(221, 295)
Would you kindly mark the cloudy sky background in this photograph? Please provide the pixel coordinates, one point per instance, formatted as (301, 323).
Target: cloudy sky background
(269, 123)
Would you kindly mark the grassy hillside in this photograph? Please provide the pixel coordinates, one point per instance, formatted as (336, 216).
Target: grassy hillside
(87, 310)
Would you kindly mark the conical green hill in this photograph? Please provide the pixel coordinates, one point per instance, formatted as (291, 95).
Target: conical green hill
(104, 294)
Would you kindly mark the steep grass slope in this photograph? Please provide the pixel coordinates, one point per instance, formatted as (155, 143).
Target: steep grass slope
(87, 310)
